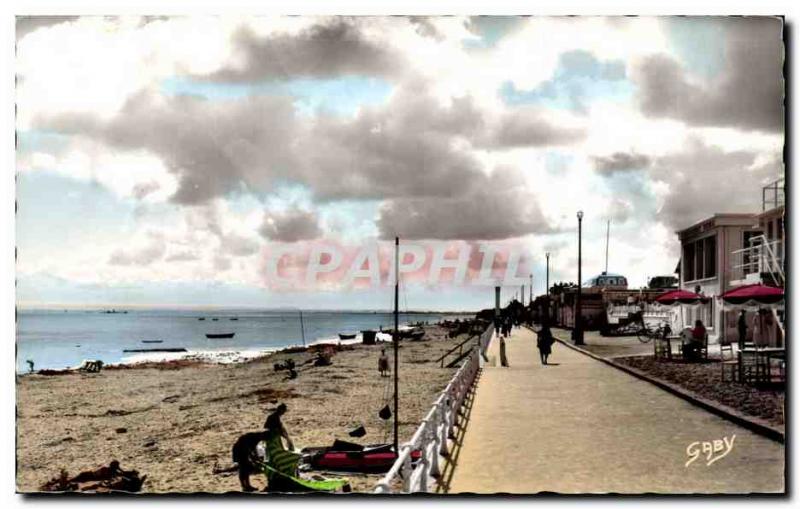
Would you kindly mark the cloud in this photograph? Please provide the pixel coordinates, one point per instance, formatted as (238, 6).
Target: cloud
(291, 226)
(620, 161)
(28, 24)
(237, 245)
(703, 180)
(213, 148)
(332, 47)
(528, 127)
(146, 255)
(182, 256)
(496, 207)
(747, 94)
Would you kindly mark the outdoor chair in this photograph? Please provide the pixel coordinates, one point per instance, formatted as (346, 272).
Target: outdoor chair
(662, 349)
(704, 348)
(752, 368)
(728, 364)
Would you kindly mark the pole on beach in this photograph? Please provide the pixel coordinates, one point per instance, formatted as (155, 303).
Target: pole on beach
(547, 277)
(577, 331)
(396, 336)
(608, 232)
(302, 329)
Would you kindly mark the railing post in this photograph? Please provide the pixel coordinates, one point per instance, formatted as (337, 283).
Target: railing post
(406, 470)
(441, 429)
(436, 446)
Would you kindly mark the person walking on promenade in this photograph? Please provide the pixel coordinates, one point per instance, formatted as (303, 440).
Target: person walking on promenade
(503, 358)
(544, 342)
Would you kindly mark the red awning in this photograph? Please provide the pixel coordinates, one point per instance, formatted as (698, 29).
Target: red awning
(758, 294)
(674, 297)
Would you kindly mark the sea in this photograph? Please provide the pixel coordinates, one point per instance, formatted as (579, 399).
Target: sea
(59, 339)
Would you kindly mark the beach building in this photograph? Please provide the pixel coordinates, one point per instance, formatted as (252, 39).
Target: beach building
(729, 250)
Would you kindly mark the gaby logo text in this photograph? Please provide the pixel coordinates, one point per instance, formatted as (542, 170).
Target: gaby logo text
(712, 451)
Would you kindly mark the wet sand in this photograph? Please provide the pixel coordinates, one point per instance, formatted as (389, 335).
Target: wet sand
(176, 422)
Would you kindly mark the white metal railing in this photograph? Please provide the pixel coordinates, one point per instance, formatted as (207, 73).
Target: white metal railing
(651, 312)
(760, 257)
(431, 438)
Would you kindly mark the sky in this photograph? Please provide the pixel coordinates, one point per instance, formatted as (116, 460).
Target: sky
(161, 161)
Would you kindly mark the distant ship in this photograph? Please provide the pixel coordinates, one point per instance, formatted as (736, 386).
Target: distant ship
(226, 335)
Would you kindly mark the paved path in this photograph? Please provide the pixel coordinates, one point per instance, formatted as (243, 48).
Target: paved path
(584, 427)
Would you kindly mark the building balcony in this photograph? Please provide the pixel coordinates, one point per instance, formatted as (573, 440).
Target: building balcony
(762, 262)
(773, 195)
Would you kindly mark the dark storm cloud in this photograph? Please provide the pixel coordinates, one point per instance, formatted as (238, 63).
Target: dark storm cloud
(704, 180)
(620, 161)
(28, 24)
(494, 208)
(291, 226)
(747, 94)
(411, 146)
(331, 48)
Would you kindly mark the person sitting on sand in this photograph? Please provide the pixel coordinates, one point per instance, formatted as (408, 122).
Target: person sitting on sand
(383, 363)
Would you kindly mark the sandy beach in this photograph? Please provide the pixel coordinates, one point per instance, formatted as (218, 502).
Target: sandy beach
(176, 422)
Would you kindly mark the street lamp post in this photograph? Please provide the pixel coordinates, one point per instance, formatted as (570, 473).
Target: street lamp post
(547, 280)
(577, 331)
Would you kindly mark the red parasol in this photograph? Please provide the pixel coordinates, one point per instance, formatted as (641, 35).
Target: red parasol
(675, 297)
(755, 294)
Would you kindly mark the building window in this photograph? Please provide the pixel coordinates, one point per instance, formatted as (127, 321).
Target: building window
(700, 259)
(710, 266)
(688, 262)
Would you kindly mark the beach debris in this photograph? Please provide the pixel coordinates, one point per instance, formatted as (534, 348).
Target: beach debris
(91, 366)
(324, 357)
(285, 365)
(385, 413)
(103, 479)
(358, 432)
(121, 430)
(150, 443)
(292, 374)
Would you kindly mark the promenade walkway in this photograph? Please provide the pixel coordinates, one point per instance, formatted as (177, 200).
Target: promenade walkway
(580, 426)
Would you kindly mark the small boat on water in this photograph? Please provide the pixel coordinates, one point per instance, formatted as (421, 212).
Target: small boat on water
(202, 318)
(234, 319)
(226, 335)
(347, 336)
(145, 350)
(215, 319)
(152, 341)
(414, 334)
